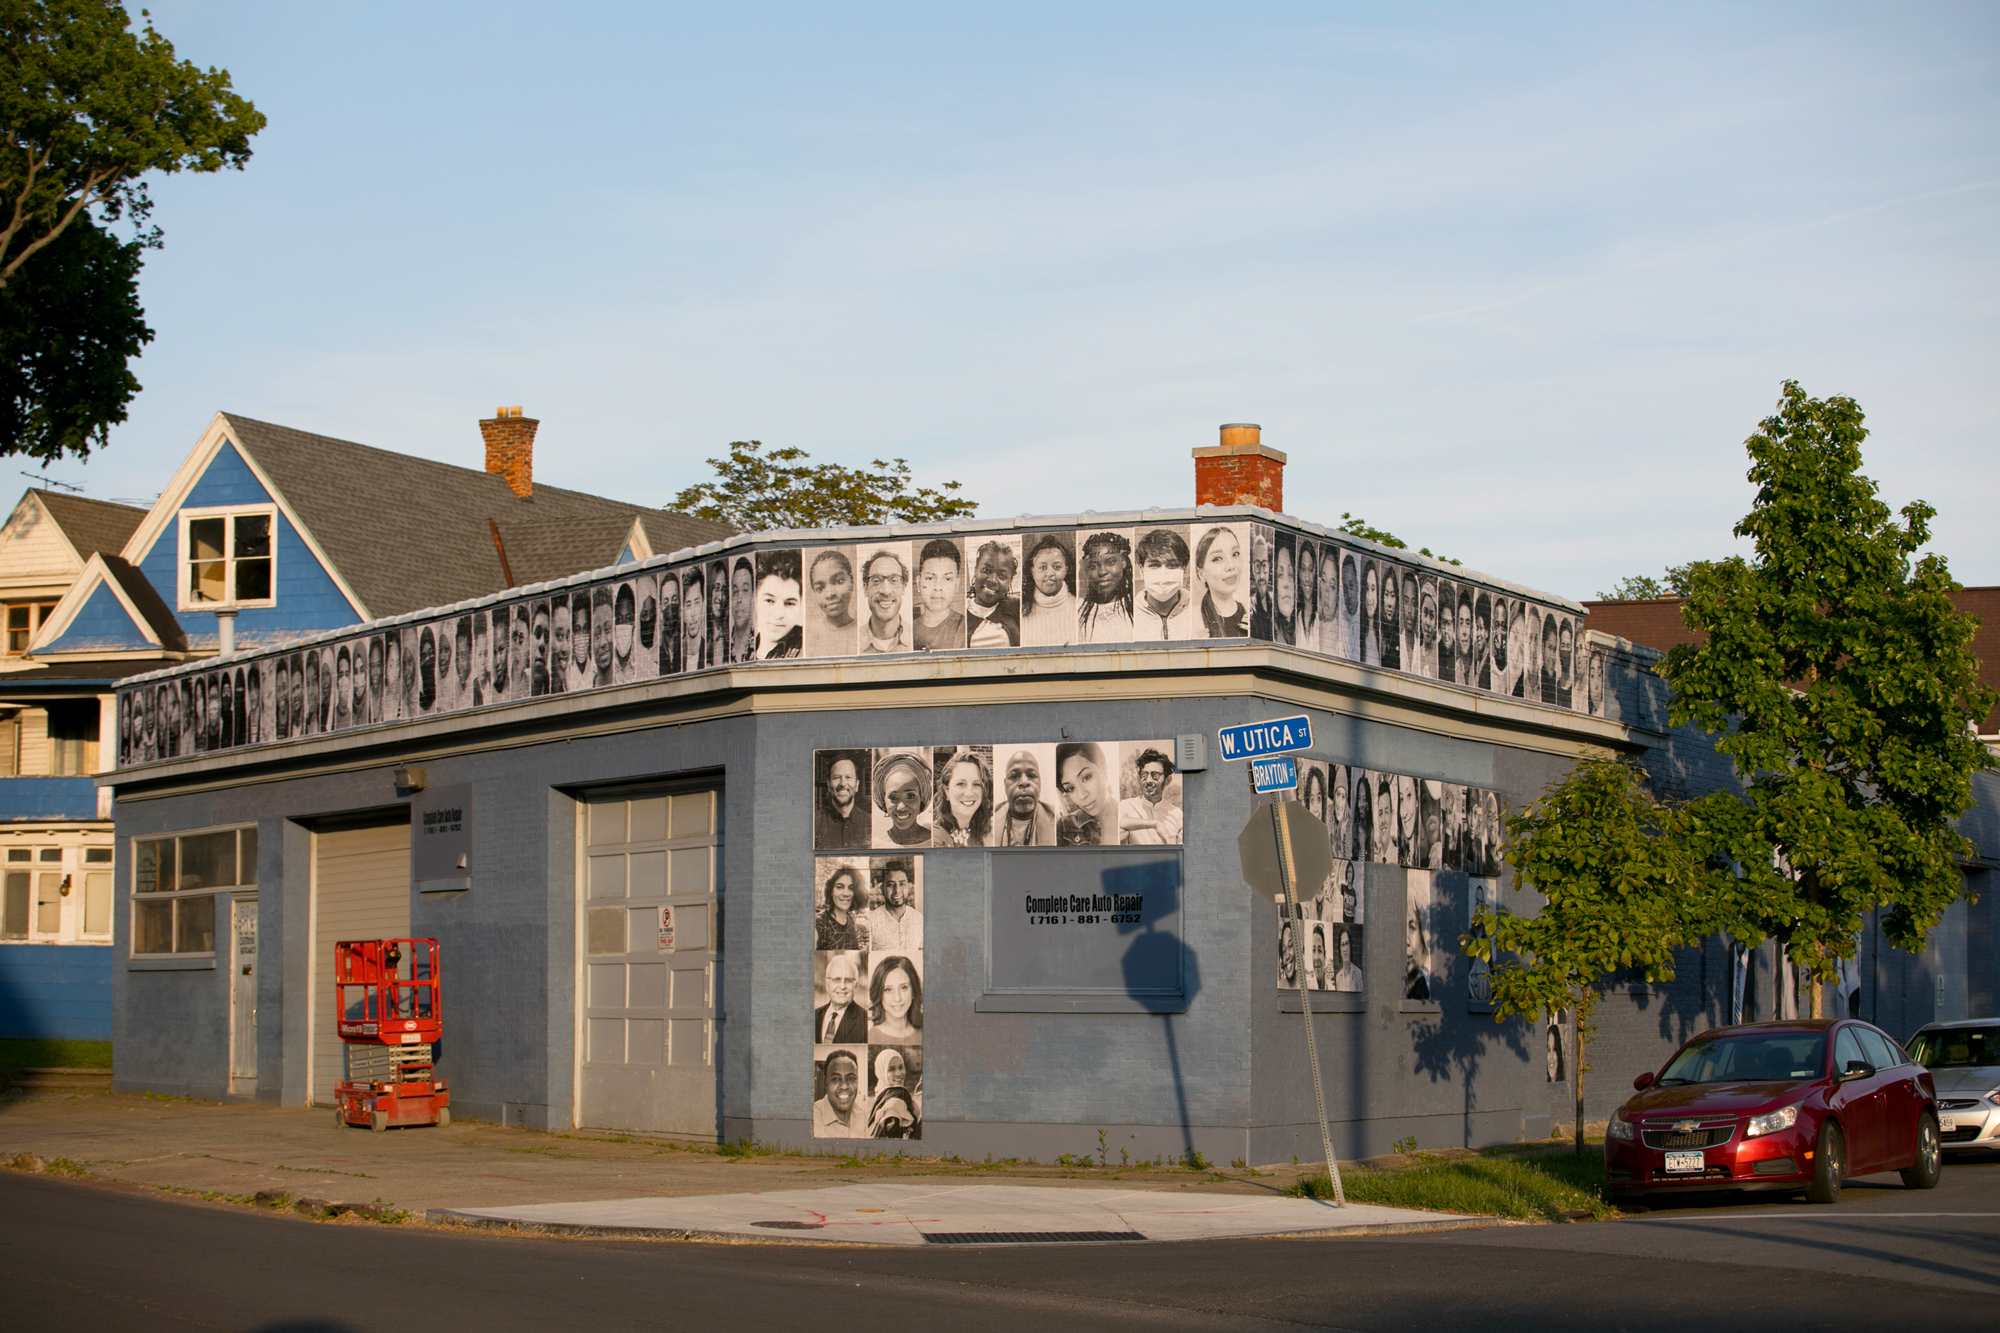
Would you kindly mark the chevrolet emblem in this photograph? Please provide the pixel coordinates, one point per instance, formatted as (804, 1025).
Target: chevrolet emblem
(1684, 1127)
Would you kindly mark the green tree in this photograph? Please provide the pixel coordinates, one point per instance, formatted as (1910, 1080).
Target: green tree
(1843, 685)
(1361, 527)
(68, 326)
(1644, 587)
(758, 492)
(1625, 881)
(88, 108)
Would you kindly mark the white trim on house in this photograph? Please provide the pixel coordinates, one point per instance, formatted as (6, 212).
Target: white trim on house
(95, 573)
(190, 472)
(229, 513)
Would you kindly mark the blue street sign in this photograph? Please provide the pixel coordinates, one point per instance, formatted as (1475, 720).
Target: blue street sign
(1253, 740)
(1275, 774)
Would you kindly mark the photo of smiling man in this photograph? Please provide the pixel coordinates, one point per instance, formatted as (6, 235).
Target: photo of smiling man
(837, 1092)
(885, 592)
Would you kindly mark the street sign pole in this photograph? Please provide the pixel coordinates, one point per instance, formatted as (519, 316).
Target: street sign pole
(1290, 874)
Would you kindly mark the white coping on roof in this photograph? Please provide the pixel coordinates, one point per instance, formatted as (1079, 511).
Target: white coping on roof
(842, 536)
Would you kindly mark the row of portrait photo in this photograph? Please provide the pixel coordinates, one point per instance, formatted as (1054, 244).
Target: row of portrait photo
(1004, 590)
(1395, 819)
(867, 1092)
(1431, 935)
(1333, 929)
(1006, 794)
(1334, 920)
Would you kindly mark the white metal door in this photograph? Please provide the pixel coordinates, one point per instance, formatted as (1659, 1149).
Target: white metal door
(361, 891)
(243, 995)
(648, 974)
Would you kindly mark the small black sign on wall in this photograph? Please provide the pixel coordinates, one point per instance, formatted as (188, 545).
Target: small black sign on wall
(441, 838)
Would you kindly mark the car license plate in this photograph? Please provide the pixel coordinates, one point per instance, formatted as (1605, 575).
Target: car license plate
(1946, 1124)
(1686, 1161)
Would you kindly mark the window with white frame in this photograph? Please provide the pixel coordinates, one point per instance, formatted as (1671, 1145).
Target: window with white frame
(97, 889)
(174, 886)
(228, 557)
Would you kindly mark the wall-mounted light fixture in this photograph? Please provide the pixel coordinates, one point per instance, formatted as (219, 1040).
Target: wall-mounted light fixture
(411, 779)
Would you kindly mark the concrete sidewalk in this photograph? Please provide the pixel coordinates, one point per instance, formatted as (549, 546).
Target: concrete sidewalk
(240, 1150)
(943, 1213)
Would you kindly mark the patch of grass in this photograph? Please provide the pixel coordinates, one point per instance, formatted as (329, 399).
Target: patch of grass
(16, 1053)
(1542, 1188)
(63, 1166)
(748, 1147)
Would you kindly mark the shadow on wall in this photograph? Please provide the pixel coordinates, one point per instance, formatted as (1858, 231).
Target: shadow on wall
(1161, 973)
(55, 991)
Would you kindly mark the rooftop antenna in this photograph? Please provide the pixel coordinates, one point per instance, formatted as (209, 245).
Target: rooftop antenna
(51, 481)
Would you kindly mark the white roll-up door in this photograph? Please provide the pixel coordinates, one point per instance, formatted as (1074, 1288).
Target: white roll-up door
(361, 891)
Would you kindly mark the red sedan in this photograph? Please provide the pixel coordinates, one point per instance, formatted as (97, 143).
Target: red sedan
(1778, 1106)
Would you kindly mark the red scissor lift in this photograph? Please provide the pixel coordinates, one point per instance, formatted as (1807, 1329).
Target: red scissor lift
(390, 1008)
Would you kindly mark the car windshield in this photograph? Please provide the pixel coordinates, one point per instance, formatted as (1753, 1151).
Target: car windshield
(1956, 1048)
(1763, 1057)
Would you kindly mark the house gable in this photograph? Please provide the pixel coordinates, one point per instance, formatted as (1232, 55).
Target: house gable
(309, 595)
(35, 556)
(111, 611)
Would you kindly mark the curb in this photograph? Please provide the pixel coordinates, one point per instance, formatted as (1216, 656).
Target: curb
(580, 1231)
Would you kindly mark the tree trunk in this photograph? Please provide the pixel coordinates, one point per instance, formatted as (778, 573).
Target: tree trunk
(1819, 981)
(1576, 1070)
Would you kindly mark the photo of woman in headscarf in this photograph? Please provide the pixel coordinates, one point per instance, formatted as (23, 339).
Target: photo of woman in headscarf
(964, 813)
(939, 620)
(1090, 814)
(1048, 592)
(895, 1003)
(901, 785)
(781, 630)
(896, 1104)
(1284, 588)
(1224, 573)
(837, 923)
(1105, 615)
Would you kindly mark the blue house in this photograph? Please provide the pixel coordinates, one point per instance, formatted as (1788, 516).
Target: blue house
(264, 534)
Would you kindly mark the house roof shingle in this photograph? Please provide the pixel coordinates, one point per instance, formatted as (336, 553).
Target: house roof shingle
(408, 533)
(92, 525)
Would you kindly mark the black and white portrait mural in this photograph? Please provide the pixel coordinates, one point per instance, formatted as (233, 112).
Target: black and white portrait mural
(1003, 794)
(868, 997)
(998, 590)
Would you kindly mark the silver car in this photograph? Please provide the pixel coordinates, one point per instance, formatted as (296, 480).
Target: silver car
(1964, 1060)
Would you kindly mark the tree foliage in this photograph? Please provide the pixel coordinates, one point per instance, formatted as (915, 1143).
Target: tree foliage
(758, 492)
(89, 107)
(1645, 588)
(69, 324)
(1844, 687)
(1625, 880)
(1361, 527)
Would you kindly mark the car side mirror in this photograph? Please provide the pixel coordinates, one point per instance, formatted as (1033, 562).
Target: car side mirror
(1857, 1069)
(1643, 1082)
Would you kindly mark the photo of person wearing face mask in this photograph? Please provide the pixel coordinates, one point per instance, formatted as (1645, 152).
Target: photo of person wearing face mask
(600, 638)
(832, 595)
(624, 634)
(1164, 607)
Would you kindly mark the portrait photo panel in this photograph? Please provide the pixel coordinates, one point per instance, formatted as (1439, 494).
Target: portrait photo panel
(715, 633)
(841, 820)
(1025, 807)
(1262, 592)
(992, 599)
(1481, 896)
(832, 612)
(1221, 582)
(1048, 589)
(667, 635)
(894, 920)
(694, 617)
(1419, 929)
(1104, 585)
(840, 1016)
(962, 814)
(1284, 587)
(779, 602)
(1149, 794)
(1312, 792)
(741, 616)
(895, 998)
(840, 903)
(838, 1082)
(646, 652)
(1086, 786)
(895, 1092)
(1306, 627)
(1387, 634)
(937, 606)
(1343, 957)
(1163, 606)
(886, 588)
(901, 788)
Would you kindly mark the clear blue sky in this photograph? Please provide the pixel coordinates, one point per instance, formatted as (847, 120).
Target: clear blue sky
(1512, 282)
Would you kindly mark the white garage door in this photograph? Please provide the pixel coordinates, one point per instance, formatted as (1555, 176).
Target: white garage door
(361, 891)
(648, 1001)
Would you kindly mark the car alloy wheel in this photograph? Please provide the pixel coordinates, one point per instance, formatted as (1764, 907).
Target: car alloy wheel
(1928, 1168)
(1828, 1165)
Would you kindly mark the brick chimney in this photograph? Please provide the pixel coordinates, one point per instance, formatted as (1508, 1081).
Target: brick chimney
(510, 449)
(1240, 471)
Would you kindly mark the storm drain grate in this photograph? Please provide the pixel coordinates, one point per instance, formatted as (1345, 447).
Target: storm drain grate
(1023, 1237)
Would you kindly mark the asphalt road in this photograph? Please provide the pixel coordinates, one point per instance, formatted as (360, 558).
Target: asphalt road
(81, 1256)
